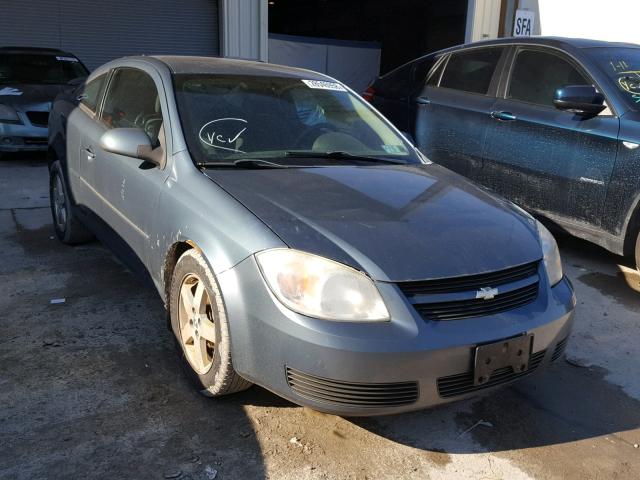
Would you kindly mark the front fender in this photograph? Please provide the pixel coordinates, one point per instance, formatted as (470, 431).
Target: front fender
(193, 209)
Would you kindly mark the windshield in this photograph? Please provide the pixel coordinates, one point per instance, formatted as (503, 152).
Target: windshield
(39, 69)
(228, 117)
(622, 65)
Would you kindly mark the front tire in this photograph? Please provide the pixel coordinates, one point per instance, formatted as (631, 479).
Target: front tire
(66, 224)
(199, 323)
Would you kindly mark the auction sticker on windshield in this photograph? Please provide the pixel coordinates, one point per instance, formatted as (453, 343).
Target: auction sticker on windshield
(322, 85)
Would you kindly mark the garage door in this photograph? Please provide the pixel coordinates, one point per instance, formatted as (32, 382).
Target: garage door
(100, 30)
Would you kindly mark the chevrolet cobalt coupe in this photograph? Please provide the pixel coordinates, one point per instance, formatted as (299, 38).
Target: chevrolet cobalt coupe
(299, 241)
(30, 80)
(552, 124)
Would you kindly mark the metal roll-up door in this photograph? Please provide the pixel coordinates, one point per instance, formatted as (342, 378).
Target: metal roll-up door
(98, 31)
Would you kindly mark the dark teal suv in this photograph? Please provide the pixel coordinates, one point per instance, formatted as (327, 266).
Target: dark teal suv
(550, 123)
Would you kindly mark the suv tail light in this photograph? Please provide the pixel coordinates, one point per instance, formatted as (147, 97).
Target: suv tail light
(369, 93)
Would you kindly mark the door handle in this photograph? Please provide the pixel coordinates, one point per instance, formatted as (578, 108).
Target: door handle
(503, 116)
(423, 101)
(90, 153)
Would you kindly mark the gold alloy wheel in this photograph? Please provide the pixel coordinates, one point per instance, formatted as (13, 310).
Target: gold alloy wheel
(197, 329)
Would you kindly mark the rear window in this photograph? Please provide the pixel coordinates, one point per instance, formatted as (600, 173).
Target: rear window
(402, 81)
(394, 84)
(39, 69)
(471, 71)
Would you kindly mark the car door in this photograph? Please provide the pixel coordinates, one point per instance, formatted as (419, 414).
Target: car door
(127, 187)
(452, 109)
(81, 128)
(546, 159)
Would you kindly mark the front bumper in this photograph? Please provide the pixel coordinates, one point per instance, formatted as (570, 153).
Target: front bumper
(24, 137)
(354, 369)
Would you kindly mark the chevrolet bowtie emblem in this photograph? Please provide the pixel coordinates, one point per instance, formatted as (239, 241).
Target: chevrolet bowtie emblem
(487, 293)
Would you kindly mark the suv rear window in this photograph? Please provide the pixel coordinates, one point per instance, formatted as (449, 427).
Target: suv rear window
(471, 71)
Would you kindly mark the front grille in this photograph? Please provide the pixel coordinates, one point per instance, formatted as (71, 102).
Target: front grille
(477, 307)
(462, 383)
(559, 350)
(456, 298)
(39, 119)
(469, 282)
(350, 394)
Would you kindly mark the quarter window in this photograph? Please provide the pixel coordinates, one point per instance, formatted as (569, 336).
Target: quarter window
(132, 102)
(536, 75)
(471, 71)
(91, 92)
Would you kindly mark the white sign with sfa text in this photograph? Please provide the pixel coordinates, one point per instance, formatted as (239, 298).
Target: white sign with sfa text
(523, 24)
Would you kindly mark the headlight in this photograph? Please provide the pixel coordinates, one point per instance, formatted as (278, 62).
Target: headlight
(552, 261)
(321, 288)
(8, 114)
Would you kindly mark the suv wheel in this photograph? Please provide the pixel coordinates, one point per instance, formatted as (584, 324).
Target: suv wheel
(200, 325)
(65, 222)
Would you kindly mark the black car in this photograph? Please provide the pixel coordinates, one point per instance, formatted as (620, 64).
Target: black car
(30, 79)
(550, 123)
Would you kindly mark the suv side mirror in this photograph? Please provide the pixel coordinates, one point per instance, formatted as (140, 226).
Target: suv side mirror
(130, 142)
(582, 100)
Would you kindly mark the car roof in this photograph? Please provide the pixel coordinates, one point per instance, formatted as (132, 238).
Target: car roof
(559, 42)
(34, 50)
(229, 66)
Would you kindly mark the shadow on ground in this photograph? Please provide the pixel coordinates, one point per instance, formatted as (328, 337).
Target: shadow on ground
(91, 387)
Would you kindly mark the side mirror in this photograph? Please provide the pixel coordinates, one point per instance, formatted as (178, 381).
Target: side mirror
(130, 142)
(582, 100)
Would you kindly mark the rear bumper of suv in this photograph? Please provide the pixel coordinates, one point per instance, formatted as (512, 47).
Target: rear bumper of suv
(376, 369)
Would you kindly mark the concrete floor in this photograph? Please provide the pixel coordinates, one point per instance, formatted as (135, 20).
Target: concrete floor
(91, 387)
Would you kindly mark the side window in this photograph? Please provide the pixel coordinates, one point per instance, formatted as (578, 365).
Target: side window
(132, 102)
(91, 92)
(536, 75)
(471, 71)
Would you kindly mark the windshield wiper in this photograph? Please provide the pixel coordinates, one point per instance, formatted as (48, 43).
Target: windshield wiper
(244, 163)
(340, 155)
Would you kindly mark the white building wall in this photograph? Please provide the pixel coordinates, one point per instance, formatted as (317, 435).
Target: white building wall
(483, 20)
(611, 20)
(244, 29)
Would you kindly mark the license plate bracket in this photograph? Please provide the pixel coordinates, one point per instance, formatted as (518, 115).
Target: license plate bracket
(514, 353)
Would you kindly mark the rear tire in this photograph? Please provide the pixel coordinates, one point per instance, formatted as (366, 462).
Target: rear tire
(199, 323)
(66, 224)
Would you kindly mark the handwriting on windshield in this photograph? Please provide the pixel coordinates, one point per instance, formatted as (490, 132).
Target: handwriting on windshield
(224, 133)
(630, 81)
(619, 65)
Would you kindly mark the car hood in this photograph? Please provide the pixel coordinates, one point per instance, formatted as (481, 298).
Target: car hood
(397, 223)
(19, 95)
